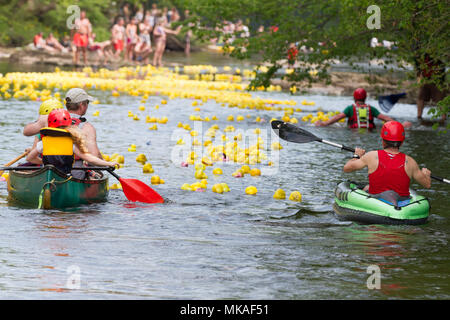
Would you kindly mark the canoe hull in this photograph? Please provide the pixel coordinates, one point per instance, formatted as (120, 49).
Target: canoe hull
(353, 204)
(50, 188)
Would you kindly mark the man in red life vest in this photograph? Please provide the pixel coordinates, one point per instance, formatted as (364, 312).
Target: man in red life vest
(390, 171)
(359, 114)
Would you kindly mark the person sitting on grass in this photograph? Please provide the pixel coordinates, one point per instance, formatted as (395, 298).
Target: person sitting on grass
(54, 43)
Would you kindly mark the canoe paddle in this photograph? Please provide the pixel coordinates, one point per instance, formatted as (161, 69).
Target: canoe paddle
(133, 189)
(291, 133)
(15, 160)
(136, 190)
(386, 103)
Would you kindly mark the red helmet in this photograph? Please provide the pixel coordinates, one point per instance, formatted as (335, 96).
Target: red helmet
(393, 131)
(360, 94)
(59, 118)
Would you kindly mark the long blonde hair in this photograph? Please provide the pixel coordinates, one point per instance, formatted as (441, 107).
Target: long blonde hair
(78, 138)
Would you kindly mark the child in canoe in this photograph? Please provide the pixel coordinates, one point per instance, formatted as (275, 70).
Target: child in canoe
(60, 142)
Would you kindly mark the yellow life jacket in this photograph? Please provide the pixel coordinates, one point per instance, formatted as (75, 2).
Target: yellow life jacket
(57, 148)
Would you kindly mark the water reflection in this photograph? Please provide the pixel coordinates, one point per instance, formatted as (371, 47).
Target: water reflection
(388, 247)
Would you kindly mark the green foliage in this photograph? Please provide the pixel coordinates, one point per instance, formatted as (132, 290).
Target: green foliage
(331, 29)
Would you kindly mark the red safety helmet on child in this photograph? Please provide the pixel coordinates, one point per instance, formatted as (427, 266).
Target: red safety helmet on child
(59, 118)
(360, 94)
(393, 131)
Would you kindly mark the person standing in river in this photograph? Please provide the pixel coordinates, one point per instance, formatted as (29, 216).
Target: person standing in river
(428, 69)
(359, 114)
(160, 37)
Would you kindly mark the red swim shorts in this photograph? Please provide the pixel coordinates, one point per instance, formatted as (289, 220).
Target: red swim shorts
(118, 45)
(80, 40)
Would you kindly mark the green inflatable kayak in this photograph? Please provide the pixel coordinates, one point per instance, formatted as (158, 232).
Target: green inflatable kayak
(354, 204)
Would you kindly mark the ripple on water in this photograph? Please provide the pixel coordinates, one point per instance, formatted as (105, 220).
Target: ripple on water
(202, 245)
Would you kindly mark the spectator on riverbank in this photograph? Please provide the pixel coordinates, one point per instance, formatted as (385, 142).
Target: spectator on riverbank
(54, 43)
(125, 13)
(145, 25)
(149, 19)
(160, 37)
(242, 29)
(101, 48)
(155, 11)
(173, 15)
(41, 44)
(131, 33)
(139, 15)
(81, 37)
(187, 48)
(65, 42)
(118, 37)
(143, 48)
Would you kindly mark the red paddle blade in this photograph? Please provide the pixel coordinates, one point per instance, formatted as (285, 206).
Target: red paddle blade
(136, 190)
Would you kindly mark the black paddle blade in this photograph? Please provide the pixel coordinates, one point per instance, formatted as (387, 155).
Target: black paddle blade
(387, 102)
(291, 133)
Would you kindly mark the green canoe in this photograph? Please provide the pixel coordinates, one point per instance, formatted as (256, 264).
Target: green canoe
(353, 204)
(49, 188)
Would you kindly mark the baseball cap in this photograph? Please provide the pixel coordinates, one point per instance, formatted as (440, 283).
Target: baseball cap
(76, 95)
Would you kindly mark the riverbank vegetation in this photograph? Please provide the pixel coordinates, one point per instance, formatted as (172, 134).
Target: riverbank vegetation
(304, 36)
(309, 35)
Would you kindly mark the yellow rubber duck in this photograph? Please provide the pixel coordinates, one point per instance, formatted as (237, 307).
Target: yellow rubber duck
(279, 194)
(245, 169)
(276, 146)
(225, 187)
(141, 158)
(147, 168)
(251, 190)
(155, 180)
(217, 188)
(295, 196)
(186, 187)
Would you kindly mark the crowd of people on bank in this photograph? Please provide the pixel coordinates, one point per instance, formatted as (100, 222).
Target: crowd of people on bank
(135, 35)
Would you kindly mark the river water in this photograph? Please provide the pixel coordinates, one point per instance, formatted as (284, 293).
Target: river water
(203, 245)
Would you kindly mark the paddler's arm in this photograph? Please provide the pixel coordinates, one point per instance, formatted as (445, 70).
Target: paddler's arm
(91, 140)
(384, 117)
(421, 176)
(91, 159)
(356, 164)
(334, 119)
(33, 157)
(34, 128)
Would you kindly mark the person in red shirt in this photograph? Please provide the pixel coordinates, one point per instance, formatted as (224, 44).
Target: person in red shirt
(390, 171)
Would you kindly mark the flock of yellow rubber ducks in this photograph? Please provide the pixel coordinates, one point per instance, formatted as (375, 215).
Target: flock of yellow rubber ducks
(201, 83)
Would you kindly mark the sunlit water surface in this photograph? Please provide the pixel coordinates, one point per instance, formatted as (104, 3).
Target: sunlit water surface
(203, 245)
